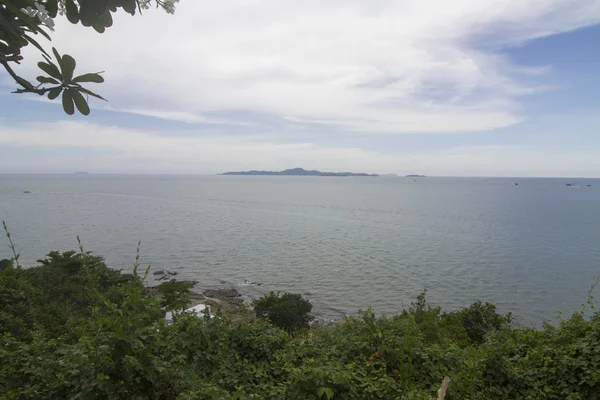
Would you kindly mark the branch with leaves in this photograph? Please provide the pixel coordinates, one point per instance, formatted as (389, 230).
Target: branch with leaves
(20, 20)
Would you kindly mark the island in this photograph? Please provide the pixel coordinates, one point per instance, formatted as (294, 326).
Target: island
(81, 173)
(298, 172)
(416, 176)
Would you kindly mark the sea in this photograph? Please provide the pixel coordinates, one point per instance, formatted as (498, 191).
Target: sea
(531, 246)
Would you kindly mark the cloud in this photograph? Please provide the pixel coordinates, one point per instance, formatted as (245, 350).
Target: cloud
(66, 146)
(369, 66)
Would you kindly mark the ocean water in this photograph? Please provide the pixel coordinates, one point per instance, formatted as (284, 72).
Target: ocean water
(345, 243)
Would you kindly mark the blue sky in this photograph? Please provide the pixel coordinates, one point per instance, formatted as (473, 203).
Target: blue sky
(462, 88)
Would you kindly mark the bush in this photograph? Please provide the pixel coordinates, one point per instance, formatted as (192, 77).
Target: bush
(57, 294)
(479, 319)
(174, 294)
(114, 344)
(287, 311)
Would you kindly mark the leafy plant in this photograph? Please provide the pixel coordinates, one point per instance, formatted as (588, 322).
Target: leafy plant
(21, 20)
(174, 294)
(287, 311)
(73, 328)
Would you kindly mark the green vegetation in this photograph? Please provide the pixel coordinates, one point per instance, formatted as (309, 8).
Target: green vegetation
(72, 328)
(174, 294)
(21, 20)
(287, 311)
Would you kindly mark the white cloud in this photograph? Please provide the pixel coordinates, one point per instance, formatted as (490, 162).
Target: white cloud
(65, 146)
(367, 65)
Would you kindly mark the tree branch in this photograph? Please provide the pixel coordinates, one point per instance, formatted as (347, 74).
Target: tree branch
(4, 60)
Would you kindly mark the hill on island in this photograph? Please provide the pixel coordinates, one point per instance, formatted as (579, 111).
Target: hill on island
(298, 172)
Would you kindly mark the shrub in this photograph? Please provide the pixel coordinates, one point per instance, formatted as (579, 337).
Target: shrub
(479, 319)
(114, 344)
(174, 294)
(57, 293)
(287, 311)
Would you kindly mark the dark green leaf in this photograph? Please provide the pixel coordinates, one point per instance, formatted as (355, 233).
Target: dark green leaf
(129, 6)
(43, 32)
(9, 25)
(20, 15)
(72, 11)
(84, 90)
(80, 102)
(95, 78)
(54, 93)
(36, 44)
(50, 70)
(24, 83)
(52, 7)
(67, 65)
(98, 27)
(45, 79)
(103, 21)
(56, 55)
(4, 49)
(67, 102)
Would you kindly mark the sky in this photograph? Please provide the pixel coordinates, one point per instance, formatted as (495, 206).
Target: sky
(435, 87)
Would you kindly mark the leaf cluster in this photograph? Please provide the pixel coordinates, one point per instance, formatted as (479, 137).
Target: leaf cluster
(18, 28)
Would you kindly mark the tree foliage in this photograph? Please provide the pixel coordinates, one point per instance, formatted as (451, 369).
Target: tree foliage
(287, 311)
(174, 294)
(24, 22)
(72, 328)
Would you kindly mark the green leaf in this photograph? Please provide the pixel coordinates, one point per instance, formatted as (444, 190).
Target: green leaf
(24, 83)
(84, 90)
(103, 21)
(20, 15)
(51, 70)
(52, 7)
(36, 44)
(67, 102)
(99, 28)
(328, 392)
(95, 78)
(54, 93)
(9, 25)
(56, 55)
(67, 65)
(45, 79)
(39, 29)
(129, 6)
(4, 49)
(72, 11)
(80, 102)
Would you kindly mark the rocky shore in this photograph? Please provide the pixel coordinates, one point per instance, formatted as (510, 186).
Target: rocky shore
(223, 301)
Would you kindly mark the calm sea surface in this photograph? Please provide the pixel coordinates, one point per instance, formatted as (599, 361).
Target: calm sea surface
(345, 243)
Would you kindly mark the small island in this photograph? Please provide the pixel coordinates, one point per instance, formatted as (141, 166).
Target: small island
(298, 172)
(416, 176)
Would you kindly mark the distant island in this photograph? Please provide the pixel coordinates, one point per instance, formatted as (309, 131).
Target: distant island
(81, 173)
(298, 172)
(416, 176)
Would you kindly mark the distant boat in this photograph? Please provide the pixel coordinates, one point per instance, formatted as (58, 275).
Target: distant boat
(416, 176)
(27, 192)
